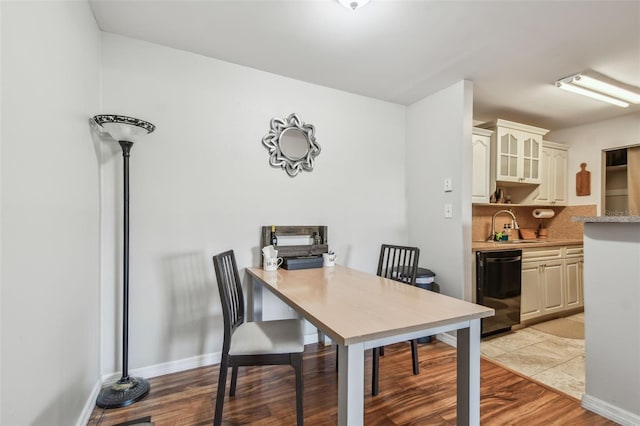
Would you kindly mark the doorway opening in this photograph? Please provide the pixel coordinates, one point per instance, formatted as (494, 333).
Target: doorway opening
(621, 181)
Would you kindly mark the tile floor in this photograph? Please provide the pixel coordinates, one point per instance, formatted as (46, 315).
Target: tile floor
(555, 361)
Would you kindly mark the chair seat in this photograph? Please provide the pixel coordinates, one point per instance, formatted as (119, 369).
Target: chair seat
(268, 337)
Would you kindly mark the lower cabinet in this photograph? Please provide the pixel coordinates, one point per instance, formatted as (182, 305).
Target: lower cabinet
(551, 281)
(574, 265)
(553, 286)
(530, 300)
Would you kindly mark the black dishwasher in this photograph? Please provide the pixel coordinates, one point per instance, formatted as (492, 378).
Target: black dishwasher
(498, 286)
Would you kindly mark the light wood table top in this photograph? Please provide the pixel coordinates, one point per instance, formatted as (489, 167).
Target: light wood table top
(352, 306)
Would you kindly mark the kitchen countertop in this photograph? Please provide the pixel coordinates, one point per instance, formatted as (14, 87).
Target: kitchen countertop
(606, 219)
(523, 244)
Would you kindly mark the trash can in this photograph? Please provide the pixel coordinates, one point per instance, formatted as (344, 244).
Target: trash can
(425, 279)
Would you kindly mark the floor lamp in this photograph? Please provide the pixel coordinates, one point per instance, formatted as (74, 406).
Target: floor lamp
(127, 390)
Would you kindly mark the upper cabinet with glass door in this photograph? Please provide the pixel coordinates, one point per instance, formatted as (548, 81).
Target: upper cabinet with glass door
(518, 151)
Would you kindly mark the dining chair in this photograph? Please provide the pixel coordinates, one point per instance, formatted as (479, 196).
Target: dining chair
(398, 263)
(252, 343)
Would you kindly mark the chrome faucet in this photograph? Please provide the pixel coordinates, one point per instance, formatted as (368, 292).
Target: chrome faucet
(493, 222)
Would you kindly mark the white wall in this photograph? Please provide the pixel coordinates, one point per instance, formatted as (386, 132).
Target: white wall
(586, 145)
(439, 147)
(49, 210)
(202, 184)
(612, 320)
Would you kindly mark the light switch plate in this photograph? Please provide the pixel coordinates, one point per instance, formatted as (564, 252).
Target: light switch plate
(448, 185)
(448, 211)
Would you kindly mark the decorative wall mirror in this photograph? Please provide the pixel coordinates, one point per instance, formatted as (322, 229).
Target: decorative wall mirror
(291, 144)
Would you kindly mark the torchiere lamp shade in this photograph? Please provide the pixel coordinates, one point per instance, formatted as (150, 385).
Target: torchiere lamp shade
(123, 128)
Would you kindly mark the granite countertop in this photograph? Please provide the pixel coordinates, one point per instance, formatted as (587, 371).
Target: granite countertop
(519, 244)
(606, 219)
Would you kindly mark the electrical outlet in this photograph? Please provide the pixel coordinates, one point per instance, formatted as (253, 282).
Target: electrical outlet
(448, 211)
(448, 185)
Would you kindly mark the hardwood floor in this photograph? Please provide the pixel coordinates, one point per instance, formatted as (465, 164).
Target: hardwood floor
(266, 395)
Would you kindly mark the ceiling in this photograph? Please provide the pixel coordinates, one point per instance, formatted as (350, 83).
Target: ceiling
(402, 51)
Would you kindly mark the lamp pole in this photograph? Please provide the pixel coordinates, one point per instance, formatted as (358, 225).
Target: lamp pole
(126, 153)
(128, 389)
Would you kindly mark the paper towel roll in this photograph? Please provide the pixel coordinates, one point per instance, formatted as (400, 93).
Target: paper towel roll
(543, 213)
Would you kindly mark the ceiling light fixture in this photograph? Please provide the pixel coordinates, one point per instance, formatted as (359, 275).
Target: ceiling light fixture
(601, 88)
(353, 4)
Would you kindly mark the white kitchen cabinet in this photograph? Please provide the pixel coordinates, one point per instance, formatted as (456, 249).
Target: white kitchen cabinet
(574, 266)
(554, 182)
(530, 298)
(543, 288)
(553, 285)
(551, 281)
(517, 150)
(481, 184)
(540, 286)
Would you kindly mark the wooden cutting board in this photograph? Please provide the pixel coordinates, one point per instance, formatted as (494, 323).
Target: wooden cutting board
(583, 181)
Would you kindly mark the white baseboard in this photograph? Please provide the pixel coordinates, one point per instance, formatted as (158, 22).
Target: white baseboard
(160, 370)
(448, 339)
(611, 412)
(310, 338)
(85, 415)
(147, 372)
(168, 367)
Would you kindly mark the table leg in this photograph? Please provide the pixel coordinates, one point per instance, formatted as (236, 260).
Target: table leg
(254, 300)
(468, 354)
(351, 385)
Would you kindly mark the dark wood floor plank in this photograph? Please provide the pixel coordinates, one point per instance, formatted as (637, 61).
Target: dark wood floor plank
(266, 395)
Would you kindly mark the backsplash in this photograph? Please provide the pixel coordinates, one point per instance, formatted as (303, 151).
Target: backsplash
(558, 227)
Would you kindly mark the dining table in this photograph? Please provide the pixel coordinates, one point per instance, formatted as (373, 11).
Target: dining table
(359, 311)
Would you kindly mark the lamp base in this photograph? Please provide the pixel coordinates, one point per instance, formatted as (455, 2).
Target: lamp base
(124, 392)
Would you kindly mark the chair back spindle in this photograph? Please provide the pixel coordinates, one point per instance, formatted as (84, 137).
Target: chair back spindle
(231, 295)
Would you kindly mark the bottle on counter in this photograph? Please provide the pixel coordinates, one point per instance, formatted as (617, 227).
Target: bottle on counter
(515, 229)
(274, 237)
(505, 233)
